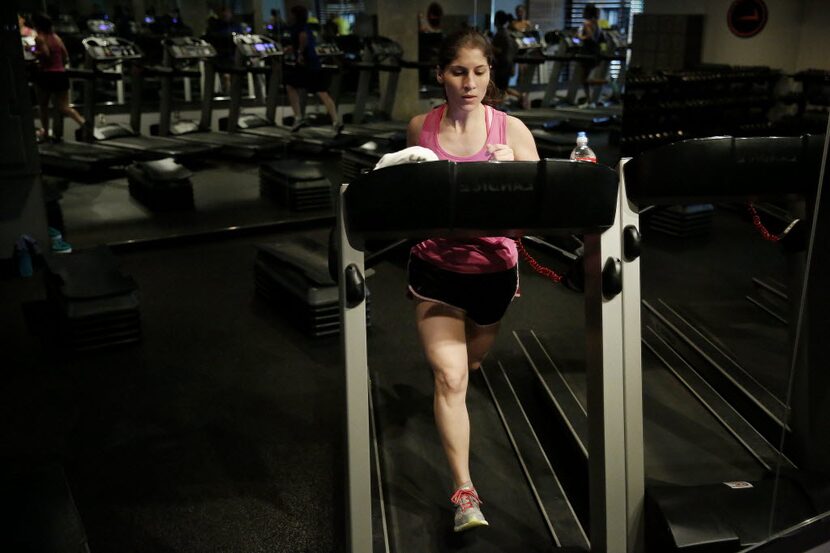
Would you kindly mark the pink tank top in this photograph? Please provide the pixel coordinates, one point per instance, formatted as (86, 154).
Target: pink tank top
(472, 255)
(54, 61)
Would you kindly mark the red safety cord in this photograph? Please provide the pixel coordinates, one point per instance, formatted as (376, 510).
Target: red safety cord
(756, 220)
(538, 267)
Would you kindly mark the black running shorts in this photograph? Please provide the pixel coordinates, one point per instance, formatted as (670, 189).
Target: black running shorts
(483, 297)
(52, 81)
(308, 79)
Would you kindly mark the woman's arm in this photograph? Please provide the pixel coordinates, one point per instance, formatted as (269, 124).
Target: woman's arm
(302, 42)
(41, 47)
(520, 140)
(587, 30)
(64, 51)
(413, 130)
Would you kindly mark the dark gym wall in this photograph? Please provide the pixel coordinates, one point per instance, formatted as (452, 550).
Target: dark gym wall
(21, 198)
(794, 38)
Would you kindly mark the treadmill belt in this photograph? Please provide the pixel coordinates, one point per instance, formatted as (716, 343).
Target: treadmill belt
(684, 443)
(417, 481)
(758, 342)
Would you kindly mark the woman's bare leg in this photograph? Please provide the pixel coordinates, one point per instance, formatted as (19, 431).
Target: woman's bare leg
(442, 332)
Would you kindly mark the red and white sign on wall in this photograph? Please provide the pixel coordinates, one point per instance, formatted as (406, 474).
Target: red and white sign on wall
(747, 18)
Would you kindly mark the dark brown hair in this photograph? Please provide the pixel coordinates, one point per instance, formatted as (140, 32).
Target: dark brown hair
(42, 22)
(300, 14)
(469, 38)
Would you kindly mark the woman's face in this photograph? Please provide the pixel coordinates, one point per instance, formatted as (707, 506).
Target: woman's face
(466, 78)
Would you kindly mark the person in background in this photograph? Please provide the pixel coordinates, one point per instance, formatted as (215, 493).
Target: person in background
(25, 30)
(462, 288)
(51, 82)
(307, 72)
(343, 27)
(219, 33)
(521, 24)
(330, 31)
(589, 36)
(274, 25)
(504, 52)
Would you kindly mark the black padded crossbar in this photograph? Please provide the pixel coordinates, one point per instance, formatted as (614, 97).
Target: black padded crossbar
(725, 168)
(462, 200)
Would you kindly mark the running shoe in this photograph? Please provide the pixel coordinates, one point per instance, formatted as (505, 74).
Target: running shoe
(301, 123)
(61, 246)
(468, 511)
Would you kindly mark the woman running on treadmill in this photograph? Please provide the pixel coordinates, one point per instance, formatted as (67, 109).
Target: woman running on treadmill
(307, 72)
(590, 36)
(51, 80)
(462, 288)
(521, 24)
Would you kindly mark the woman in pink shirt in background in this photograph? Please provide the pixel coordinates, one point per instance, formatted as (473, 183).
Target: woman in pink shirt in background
(51, 80)
(462, 288)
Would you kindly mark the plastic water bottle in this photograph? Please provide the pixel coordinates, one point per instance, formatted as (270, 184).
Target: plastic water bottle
(582, 152)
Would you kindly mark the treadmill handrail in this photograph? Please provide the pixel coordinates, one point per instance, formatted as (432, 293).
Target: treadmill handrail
(725, 168)
(448, 199)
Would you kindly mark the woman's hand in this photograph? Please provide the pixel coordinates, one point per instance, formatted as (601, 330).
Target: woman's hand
(500, 152)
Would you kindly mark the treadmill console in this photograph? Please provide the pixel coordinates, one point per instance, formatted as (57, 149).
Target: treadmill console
(111, 49)
(615, 40)
(29, 48)
(183, 48)
(100, 27)
(385, 50)
(256, 46)
(527, 41)
(65, 25)
(328, 50)
(568, 38)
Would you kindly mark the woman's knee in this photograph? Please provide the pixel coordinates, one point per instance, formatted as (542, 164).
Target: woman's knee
(450, 382)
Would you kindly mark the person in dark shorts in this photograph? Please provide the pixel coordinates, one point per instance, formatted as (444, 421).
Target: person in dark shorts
(462, 288)
(307, 73)
(590, 36)
(51, 81)
(504, 52)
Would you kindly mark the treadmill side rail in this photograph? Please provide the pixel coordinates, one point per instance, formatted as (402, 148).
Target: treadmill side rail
(353, 336)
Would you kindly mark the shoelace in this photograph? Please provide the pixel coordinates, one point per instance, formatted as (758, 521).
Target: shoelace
(464, 497)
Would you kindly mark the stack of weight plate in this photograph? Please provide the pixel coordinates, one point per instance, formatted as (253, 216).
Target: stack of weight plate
(683, 221)
(293, 276)
(96, 305)
(298, 185)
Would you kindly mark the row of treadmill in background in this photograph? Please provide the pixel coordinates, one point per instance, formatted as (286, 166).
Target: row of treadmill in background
(160, 182)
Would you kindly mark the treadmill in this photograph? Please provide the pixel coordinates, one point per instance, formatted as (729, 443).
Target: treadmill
(379, 55)
(180, 52)
(566, 53)
(395, 461)
(710, 479)
(105, 51)
(57, 155)
(261, 55)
